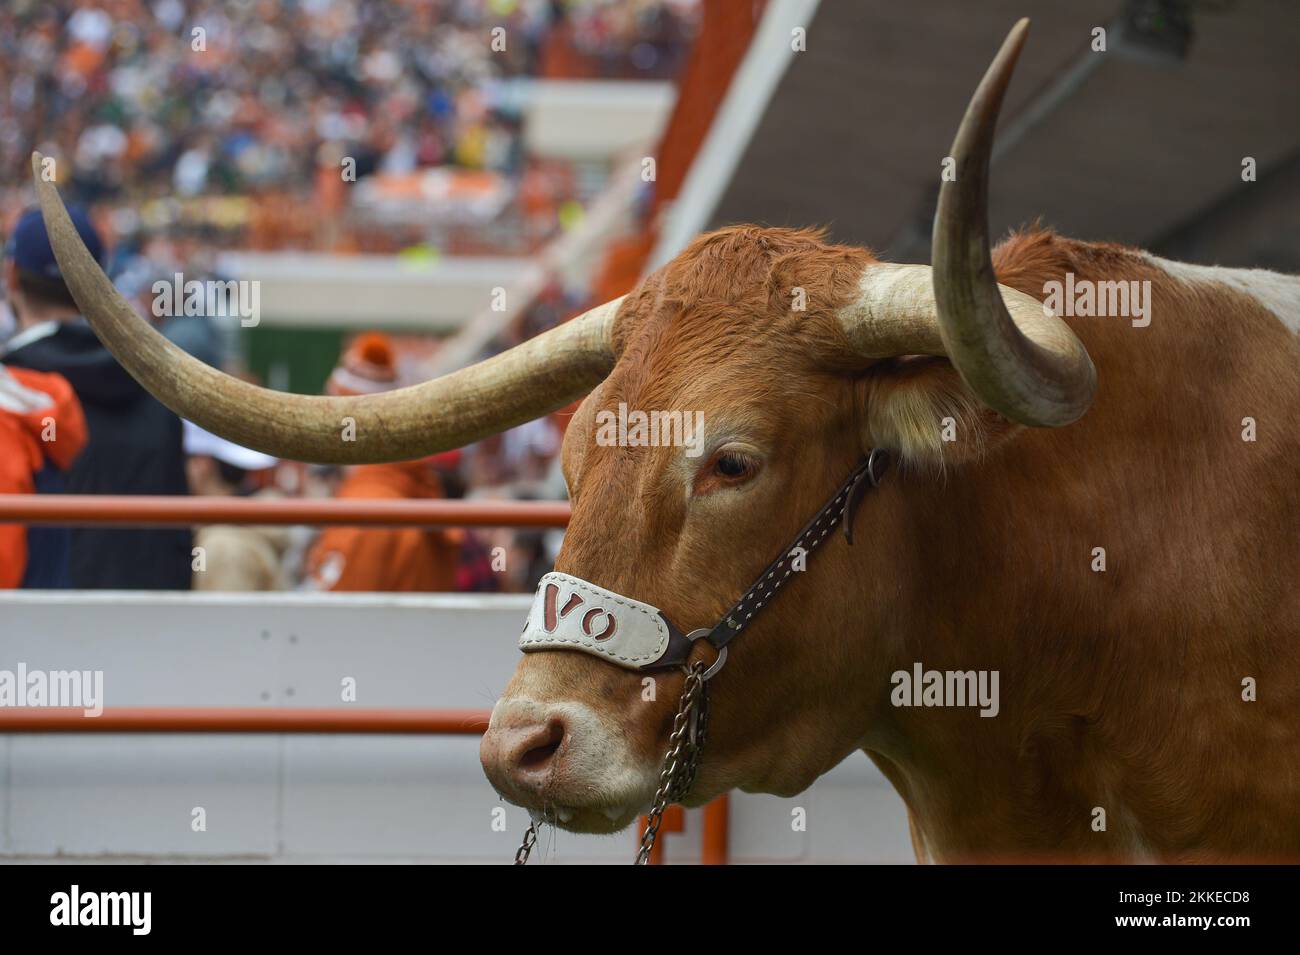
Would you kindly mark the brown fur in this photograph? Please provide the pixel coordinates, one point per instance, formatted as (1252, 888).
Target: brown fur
(1119, 690)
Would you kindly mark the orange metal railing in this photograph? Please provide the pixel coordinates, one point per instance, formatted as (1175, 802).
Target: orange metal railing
(143, 511)
(215, 719)
(184, 719)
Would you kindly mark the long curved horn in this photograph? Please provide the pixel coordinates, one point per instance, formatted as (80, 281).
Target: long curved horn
(529, 380)
(1017, 357)
(1045, 381)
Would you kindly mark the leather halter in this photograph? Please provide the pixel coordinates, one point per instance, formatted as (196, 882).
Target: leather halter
(569, 613)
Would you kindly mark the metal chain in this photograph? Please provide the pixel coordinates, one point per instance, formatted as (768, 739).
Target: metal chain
(526, 847)
(683, 757)
(690, 727)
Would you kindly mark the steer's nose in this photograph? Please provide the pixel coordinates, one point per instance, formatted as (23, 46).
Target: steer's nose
(519, 749)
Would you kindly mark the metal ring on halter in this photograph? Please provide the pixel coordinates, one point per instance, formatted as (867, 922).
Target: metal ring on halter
(877, 454)
(717, 664)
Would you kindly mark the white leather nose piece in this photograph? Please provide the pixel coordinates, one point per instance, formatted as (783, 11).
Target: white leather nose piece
(568, 613)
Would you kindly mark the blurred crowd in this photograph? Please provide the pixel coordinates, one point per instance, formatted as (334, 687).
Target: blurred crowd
(185, 126)
(223, 115)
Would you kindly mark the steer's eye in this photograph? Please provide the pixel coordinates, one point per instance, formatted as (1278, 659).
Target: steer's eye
(727, 468)
(731, 465)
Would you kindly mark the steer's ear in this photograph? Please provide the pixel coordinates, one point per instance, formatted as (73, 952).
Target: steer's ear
(920, 408)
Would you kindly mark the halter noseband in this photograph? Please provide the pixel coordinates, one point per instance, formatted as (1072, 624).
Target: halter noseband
(570, 613)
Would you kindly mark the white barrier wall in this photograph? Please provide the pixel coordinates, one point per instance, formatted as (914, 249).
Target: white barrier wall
(295, 798)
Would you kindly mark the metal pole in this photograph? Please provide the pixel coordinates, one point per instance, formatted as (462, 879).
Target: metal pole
(184, 719)
(142, 511)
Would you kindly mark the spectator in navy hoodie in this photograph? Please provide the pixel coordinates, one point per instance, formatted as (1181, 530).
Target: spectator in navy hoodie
(134, 442)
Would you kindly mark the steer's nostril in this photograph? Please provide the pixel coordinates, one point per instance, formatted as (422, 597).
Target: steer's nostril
(523, 752)
(538, 757)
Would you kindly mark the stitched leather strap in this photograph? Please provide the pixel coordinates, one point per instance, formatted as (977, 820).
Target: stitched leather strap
(838, 510)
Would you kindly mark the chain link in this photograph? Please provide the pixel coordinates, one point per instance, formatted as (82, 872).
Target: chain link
(526, 847)
(690, 727)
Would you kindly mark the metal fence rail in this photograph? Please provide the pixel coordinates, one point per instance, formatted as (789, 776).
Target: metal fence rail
(180, 719)
(159, 511)
(215, 719)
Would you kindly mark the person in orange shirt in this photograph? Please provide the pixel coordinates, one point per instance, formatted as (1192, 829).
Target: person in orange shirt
(42, 430)
(363, 558)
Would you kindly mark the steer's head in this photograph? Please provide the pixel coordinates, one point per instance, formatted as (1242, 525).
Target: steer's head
(797, 357)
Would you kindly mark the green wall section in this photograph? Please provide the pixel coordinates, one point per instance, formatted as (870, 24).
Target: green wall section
(309, 355)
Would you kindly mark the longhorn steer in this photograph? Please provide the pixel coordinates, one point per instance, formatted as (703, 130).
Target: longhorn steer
(1125, 689)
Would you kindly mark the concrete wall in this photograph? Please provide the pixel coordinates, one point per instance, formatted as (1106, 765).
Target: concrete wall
(594, 120)
(314, 290)
(325, 798)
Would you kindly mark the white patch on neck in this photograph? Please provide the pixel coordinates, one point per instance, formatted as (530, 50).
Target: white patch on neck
(1138, 851)
(1276, 291)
